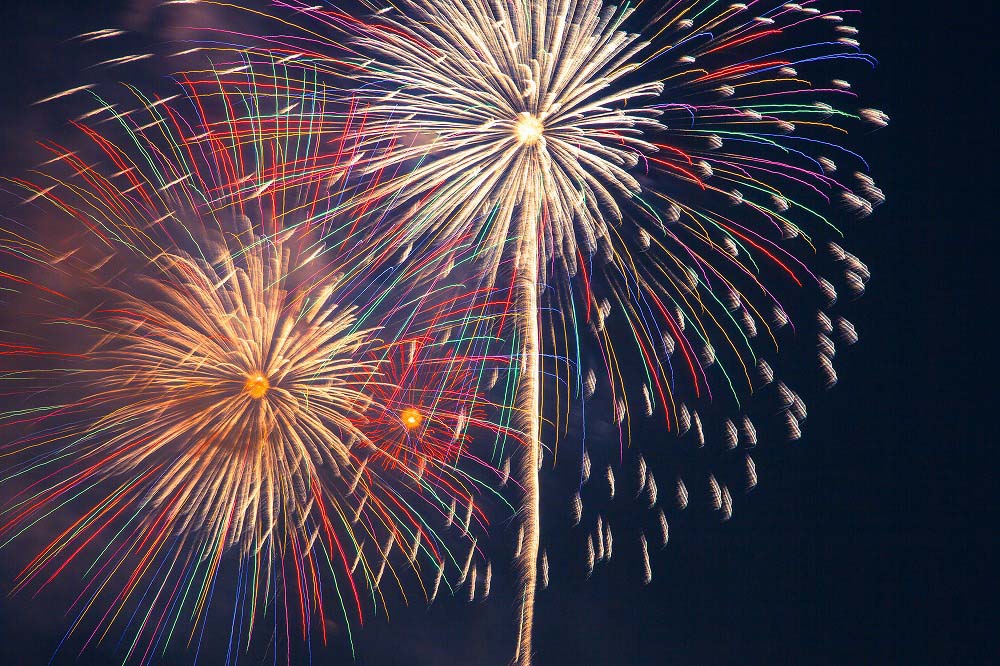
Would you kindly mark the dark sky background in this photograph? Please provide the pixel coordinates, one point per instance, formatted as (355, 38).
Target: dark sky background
(867, 542)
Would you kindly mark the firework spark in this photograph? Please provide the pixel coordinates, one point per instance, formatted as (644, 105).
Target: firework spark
(224, 370)
(664, 189)
(661, 170)
(429, 404)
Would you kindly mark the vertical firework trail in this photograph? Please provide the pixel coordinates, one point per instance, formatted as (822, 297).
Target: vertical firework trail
(529, 417)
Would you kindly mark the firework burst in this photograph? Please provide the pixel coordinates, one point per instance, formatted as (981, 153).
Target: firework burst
(429, 404)
(677, 176)
(656, 178)
(226, 364)
(209, 398)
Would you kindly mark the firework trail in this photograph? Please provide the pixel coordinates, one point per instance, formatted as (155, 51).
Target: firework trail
(219, 373)
(678, 175)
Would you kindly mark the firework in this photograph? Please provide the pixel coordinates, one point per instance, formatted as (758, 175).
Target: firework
(674, 178)
(429, 404)
(664, 189)
(213, 392)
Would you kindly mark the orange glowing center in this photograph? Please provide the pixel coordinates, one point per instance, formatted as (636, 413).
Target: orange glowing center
(257, 386)
(411, 418)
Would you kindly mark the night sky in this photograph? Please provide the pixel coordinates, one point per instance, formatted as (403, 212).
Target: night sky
(867, 541)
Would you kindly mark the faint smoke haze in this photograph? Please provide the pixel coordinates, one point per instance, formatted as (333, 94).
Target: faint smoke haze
(181, 22)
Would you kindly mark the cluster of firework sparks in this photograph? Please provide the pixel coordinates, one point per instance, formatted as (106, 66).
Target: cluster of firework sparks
(319, 314)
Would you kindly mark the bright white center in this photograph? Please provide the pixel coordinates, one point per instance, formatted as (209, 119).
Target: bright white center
(528, 129)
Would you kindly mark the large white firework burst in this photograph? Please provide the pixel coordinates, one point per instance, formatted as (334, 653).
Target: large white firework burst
(511, 112)
(545, 131)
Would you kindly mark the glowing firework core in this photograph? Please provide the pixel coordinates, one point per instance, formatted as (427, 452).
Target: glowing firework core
(257, 386)
(411, 418)
(528, 129)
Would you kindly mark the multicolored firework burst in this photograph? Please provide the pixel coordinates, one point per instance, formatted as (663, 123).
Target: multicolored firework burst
(429, 403)
(205, 391)
(650, 181)
(665, 187)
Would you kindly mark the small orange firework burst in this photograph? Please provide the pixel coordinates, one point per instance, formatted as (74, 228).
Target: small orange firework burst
(424, 406)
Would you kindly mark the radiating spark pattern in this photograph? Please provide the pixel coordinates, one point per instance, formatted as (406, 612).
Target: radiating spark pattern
(429, 406)
(663, 188)
(649, 181)
(204, 394)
